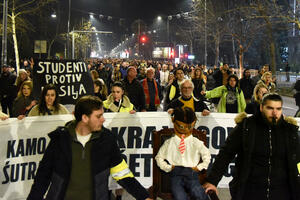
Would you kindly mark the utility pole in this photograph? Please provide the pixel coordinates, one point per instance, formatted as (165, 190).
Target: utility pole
(4, 34)
(205, 35)
(68, 33)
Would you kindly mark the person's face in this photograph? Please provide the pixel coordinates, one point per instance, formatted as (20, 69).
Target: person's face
(184, 128)
(179, 75)
(268, 79)
(96, 88)
(132, 73)
(95, 120)
(25, 63)
(117, 67)
(261, 92)
(164, 67)
(232, 82)
(247, 73)
(23, 76)
(225, 67)
(186, 89)
(272, 110)
(50, 97)
(266, 68)
(5, 69)
(159, 67)
(197, 73)
(117, 93)
(150, 74)
(26, 91)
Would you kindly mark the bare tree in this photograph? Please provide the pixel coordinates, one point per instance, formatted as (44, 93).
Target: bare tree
(82, 40)
(17, 9)
(243, 30)
(209, 17)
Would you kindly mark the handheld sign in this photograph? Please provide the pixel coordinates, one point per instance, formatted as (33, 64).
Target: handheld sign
(71, 77)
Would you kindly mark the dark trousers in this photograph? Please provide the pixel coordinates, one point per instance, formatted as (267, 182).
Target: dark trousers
(7, 103)
(260, 193)
(183, 181)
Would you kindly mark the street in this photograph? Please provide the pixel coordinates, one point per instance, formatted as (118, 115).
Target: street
(289, 106)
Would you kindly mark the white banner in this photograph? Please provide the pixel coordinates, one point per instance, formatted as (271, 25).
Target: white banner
(23, 143)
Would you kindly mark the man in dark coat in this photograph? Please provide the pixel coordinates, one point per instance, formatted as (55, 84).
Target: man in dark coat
(134, 90)
(8, 89)
(247, 85)
(267, 150)
(80, 157)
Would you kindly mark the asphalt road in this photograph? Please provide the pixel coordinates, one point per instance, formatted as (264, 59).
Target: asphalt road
(289, 106)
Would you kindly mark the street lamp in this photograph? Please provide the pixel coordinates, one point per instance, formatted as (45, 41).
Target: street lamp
(205, 34)
(159, 18)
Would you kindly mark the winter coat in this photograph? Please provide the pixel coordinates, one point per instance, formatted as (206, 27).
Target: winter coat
(135, 92)
(241, 143)
(247, 85)
(55, 167)
(271, 87)
(20, 104)
(199, 105)
(173, 92)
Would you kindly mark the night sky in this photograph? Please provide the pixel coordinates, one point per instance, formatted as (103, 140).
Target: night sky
(127, 10)
(132, 9)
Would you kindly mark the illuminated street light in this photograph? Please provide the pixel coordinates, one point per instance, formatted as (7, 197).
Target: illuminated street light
(159, 18)
(53, 15)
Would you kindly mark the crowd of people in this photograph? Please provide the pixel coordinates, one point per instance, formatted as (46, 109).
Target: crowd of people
(153, 85)
(147, 85)
(181, 90)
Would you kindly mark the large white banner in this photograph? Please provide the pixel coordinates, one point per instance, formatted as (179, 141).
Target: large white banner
(23, 143)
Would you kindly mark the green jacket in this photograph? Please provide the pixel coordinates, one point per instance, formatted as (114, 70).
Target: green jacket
(221, 92)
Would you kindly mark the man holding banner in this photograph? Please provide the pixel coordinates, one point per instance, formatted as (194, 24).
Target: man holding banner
(267, 151)
(80, 157)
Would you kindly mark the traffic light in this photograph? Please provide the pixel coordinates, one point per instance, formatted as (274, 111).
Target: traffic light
(172, 54)
(143, 39)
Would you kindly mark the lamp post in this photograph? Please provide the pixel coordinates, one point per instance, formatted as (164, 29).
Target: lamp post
(4, 34)
(205, 35)
(68, 33)
(168, 28)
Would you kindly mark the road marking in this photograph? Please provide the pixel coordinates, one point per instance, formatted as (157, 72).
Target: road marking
(288, 108)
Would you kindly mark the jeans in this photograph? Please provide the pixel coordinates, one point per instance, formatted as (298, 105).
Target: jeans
(183, 181)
